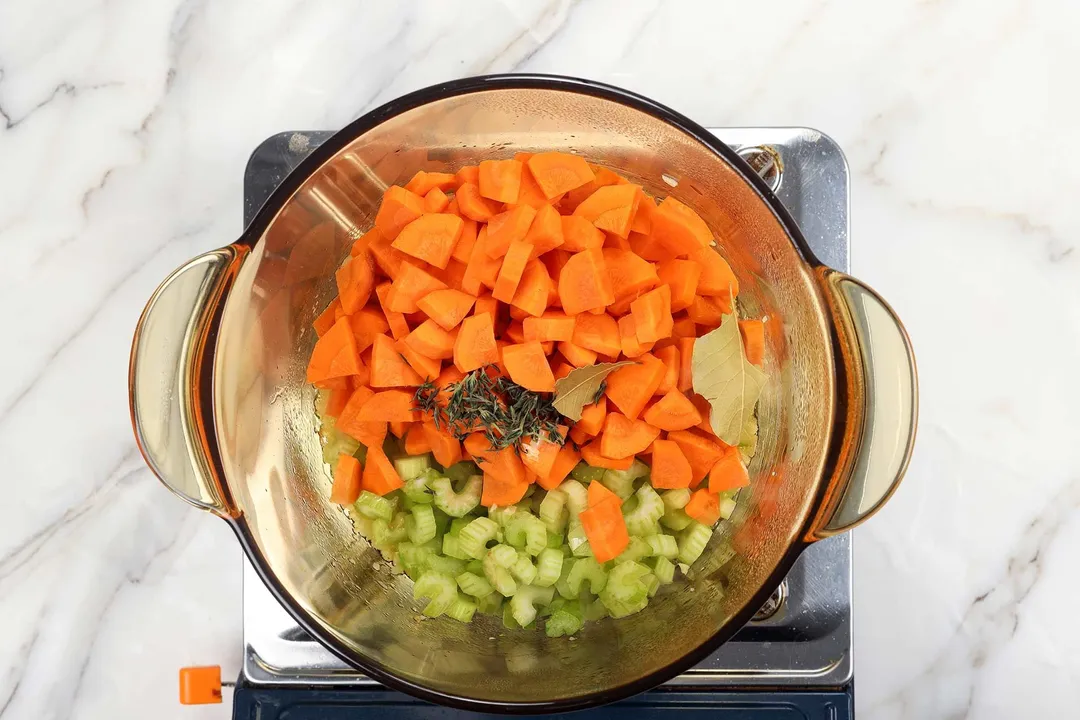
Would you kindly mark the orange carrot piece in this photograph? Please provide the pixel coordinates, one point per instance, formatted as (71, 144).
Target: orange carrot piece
(530, 192)
(624, 437)
(464, 247)
(599, 333)
(557, 173)
(445, 447)
(500, 491)
(380, 477)
(339, 398)
(487, 304)
(507, 228)
(670, 468)
(682, 277)
(643, 217)
(366, 324)
(355, 281)
(552, 326)
(631, 387)
(684, 327)
(388, 368)
(565, 461)
(629, 273)
(399, 428)
(577, 355)
(709, 310)
(399, 328)
(717, 277)
(411, 284)
(346, 487)
(515, 333)
(628, 339)
(386, 257)
(475, 206)
(430, 237)
(669, 355)
(673, 412)
(482, 270)
(475, 345)
(539, 457)
(728, 473)
(416, 443)
(546, 231)
(753, 335)
(679, 228)
(364, 242)
(579, 234)
(592, 455)
(592, 417)
(424, 182)
(599, 494)
(686, 357)
(446, 307)
(335, 354)
(513, 267)
(399, 207)
(704, 507)
(611, 208)
(431, 340)
(428, 368)
(435, 201)
(326, 318)
(652, 315)
(389, 406)
(468, 174)
(500, 180)
(528, 366)
(533, 290)
(584, 283)
(562, 370)
(701, 451)
(579, 436)
(606, 530)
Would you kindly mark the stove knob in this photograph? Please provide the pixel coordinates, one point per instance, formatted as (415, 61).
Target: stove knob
(201, 685)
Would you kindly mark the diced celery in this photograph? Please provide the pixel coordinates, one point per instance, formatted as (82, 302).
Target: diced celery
(523, 569)
(420, 524)
(417, 491)
(727, 507)
(374, 506)
(664, 570)
(636, 550)
(549, 565)
(643, 518)
(497, 564)
(553, 511)
(562, 585)
(586, 569)
(621, 482)
(663, 546)
(462, 609)
(555, 540)
(502, 515)
(476, 535)
(652, 583)
(577, 497)
(675, 499)
(490, 604)
(676, 519)
(441, 591)
(457, 504)
(476, 567)
(592, 608)
(457, 524)
(451, 547)
(625, 592)
(460, 472)
(413, 559)
(412, 466)
(523, 603)
(446, 565)
(526, 531)
(385, 535)
(692, 542)
(577, 540)
(337, 443)
(565, 620)
(475, 585)
(585, 473)
(442, 521)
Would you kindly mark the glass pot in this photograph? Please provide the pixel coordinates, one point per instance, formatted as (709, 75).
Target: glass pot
(224, 417)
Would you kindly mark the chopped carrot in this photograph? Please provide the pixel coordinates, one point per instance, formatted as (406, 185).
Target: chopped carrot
(326, 318)
(390, 406)
(453, 275)
(386, 257)
(447, 377)
(528, 366)
(611, 208)
(679, 228)
(446, 307)
(577, 355)
(628, 339)
(533, 290)
(717, 277)
(673, 412)
(445, 447)
(482, 270)
(514, 332)
(346, 488)
(435, 201)
(704, 507)
(335, 354)
(500, 180)
(507, 228)
(388, 368)
(606, 530)
(365, 325)
(399, 208)
(428, 368)
(551, 326)
(557, 172)
(753, 335)
(579, 436)
(593, 416)
(652, 315)
(728, 473)
(530, 192)
(562, 370)
(424, 182)
(601, 177)
(684, 327)
(475, 345)
(631, 387)
(430, 237)
(682, 277)
(416, 443)
(565, 461)
(546, 232)
(629, 274)
(669, 355)
(584, 283)
(709, 310)
(624, 437)
(513, 266)
(475, 206)
(380, 477)
(592, 455)
(670, 468)
(540, 456)
(355, 281)
(486, 303)
(599, 333)
(686, 364)
(339, 398)
(599, 494)
(364, 242)
(399, 328)
(468, 174)
(431, 340)
(579, 234)
(614, 242)
(701, 451)
(464, 247)
(703, 408)
(643, 217)
(411, 284)
(501, 491)
(648, 247)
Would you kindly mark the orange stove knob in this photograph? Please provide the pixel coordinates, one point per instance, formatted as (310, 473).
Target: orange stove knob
(200, 685)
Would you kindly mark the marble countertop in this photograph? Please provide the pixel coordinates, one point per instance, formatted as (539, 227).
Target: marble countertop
(124, 130)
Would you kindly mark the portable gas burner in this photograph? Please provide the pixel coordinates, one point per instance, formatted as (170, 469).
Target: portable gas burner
(794, 660)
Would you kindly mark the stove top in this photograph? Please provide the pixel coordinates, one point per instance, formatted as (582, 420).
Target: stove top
(802, 637)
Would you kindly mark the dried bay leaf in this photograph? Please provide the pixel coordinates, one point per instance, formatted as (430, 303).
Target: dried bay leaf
(581, 386)
(722, 375)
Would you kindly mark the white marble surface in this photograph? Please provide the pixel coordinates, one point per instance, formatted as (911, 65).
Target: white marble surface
(124, 129)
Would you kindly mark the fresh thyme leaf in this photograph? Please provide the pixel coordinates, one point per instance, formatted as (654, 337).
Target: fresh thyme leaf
(582, 387)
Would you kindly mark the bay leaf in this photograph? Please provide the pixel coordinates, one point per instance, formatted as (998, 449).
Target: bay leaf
(721, 374)
(748, 439)
(579, 388)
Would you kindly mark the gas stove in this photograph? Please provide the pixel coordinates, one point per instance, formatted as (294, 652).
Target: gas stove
(793, 660)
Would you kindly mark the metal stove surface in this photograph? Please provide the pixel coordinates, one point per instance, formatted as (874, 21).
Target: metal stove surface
(806, 642)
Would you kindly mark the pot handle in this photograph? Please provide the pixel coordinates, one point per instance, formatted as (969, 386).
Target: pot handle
(168, 372)
(877, 405)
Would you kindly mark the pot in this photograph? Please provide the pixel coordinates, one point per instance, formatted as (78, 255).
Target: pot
(224, 417)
